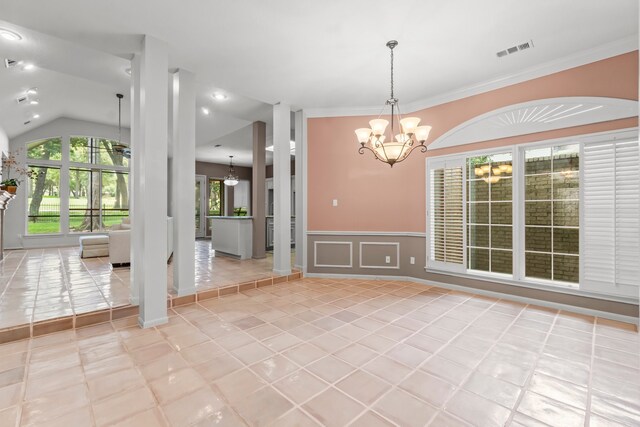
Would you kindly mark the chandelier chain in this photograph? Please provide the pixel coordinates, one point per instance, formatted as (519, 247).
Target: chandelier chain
(391, 73)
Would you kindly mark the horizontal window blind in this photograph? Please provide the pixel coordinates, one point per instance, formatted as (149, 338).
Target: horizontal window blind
(447, 217)
(611, 203)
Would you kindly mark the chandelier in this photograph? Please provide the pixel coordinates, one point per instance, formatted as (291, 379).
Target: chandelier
(397, 146)
(231, 179)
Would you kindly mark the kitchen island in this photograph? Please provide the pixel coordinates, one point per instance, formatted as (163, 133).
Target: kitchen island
(232, 235)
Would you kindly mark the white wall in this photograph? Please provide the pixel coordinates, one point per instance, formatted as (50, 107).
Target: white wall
(15, 216)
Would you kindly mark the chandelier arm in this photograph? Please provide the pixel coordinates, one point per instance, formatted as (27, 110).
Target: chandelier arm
(423, 148)
(398, 113)
(384, 151)
(361, 151)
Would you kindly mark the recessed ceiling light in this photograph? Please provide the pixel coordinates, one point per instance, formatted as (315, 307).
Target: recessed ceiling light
(10, 35)
(205, 111)
(219, 96)
(36, 116)
(28, 67)
(34, 102)
(32, 91)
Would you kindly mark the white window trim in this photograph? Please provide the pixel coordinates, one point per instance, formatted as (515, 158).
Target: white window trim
(65, 166)
(518, 152)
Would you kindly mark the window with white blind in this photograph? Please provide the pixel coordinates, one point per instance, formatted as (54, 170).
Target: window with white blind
(446, 244)
(563, 213)
(611, 205)
(490, 213)
(551, 212)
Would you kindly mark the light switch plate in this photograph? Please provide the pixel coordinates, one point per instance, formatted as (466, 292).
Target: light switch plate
(335, 202)
(412, 260)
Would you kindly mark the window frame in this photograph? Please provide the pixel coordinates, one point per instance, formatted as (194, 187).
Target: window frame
(518, 277)
(42, 163)
(65, 165)
(490, 224)
(223, 196)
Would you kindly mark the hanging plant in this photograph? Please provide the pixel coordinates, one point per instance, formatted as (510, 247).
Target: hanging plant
(10, 163)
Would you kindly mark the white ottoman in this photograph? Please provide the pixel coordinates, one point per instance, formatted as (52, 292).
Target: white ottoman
(94, 246)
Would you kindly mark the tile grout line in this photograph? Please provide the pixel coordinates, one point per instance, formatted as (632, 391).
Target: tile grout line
(300, 367)
(413, 370)
(370, 406)
(529, 378)
(435, 353)
(274, 295)
(460, 386)
(590, 381)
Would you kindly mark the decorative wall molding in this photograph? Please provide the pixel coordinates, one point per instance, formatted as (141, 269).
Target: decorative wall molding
(392, 267)
(366, 233)
(598, 53)
(315, 254)
(536, 116)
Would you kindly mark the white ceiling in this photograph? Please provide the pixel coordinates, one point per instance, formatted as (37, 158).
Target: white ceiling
(308, 54)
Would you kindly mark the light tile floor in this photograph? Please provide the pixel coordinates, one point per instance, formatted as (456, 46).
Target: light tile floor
(41, 284)
(331, 352)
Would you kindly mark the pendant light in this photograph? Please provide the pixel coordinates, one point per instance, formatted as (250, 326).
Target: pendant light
(231, 179)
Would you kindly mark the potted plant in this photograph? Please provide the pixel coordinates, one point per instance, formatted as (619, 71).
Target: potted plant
(10, 185)
(11, 163)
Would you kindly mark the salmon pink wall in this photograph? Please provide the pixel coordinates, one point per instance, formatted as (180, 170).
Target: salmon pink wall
(374, 197)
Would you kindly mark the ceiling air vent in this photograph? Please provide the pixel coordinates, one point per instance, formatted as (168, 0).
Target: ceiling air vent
(27, 122)
(10, 63)
(524, 46)
(21, 99)
(514, 49)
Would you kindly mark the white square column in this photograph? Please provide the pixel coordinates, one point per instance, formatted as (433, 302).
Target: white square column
(149, 158)
(135, 211)
(299, 129)
(183, 181)
(282, 189)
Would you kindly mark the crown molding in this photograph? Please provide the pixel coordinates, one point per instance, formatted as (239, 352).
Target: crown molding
(598, 53)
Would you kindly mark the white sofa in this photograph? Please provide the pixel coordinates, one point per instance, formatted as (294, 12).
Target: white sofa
(120, 242)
